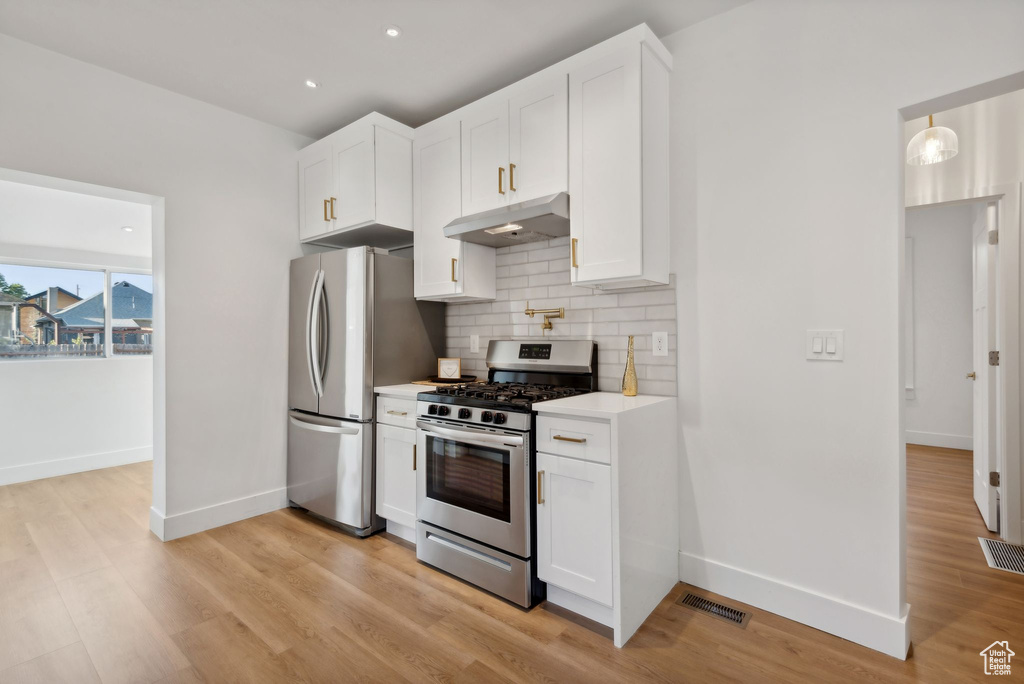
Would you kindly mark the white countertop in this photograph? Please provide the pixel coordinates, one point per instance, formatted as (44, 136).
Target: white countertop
(597, 404)
(408, 391)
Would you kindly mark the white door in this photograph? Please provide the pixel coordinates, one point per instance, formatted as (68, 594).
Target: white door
(315, 183)
(538, 121)
(437, 200)
(985, 436)
(605, 168)
(485, 157)
(354, 194)
(396, 474)
(574, 526)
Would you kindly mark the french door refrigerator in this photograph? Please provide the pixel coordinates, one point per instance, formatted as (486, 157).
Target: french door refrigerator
(353, 324)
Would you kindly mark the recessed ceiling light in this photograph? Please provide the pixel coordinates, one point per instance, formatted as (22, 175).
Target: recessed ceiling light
(312, 84)
(127, 229)
(392, 31)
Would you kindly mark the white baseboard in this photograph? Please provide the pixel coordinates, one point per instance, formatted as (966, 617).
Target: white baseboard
(202, 519)
(938, 439)
(581, 606)
(402, 531)
(854, 623)
(75, 464)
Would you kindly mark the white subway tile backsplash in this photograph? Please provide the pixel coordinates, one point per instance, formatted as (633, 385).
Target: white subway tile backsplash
(538, 272)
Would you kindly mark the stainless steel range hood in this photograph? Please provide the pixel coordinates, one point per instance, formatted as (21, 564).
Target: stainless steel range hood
(531, 221)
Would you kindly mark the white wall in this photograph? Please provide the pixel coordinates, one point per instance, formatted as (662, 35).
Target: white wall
(787, 215)
(63, 416)
(538, 272)
(230, 210)
(939, 410)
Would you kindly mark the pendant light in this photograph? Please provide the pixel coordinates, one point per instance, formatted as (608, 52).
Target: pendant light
(932, 145)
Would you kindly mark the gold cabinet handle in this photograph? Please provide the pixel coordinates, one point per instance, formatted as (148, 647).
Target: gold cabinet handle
(414, 457)
(972, 376)
(574, 264)
(326, 217)
(512, 177)
(396, 413)
(333, 200)
(501, 177)
(574, 440)
(454, 279)
(540, 479)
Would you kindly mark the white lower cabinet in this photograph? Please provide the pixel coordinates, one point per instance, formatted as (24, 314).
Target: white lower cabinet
(574, 526)
(396, 474)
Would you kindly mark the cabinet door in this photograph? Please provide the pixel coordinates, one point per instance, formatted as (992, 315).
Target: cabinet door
(605, 168)
(437, 201)
(315, 183)
(396, 474)
(539, 140)
(354, 190)
(574, 526)
(485, 157)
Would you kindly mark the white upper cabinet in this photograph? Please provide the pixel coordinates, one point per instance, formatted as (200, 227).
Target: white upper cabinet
(539, 140)
(445, 269)
(515, 148)
(618, 169)
(315, 181)
(355, 186)
(485, 157)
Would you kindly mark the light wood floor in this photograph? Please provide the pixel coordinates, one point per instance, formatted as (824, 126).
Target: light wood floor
(87, 594)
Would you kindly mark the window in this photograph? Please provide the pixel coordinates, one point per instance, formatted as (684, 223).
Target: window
(61, 312)
(131, 327)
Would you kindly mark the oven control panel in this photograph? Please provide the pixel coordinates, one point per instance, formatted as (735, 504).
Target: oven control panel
(475, 415)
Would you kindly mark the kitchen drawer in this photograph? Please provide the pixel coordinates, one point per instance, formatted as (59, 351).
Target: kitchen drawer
(585, 439)
(396, 411)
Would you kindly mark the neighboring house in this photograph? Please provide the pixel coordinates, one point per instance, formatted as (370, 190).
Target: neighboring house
(132, 318)
(9, 317)
(29, 333)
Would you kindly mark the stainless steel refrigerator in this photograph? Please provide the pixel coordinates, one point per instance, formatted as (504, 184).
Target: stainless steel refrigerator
(353, 324)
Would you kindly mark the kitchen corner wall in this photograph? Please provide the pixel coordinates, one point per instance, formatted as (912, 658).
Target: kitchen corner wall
(538, 273)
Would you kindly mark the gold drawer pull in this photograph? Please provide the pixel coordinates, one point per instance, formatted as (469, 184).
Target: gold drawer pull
(396, 413)
(540, 497)
(574, 440)
(501, 176)
(512, 177)
(333, 200)
(414, 457)
(574, 264)
(454, 279)
(326, 217)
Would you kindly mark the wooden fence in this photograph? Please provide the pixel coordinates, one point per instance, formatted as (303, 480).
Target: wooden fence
(8, 351)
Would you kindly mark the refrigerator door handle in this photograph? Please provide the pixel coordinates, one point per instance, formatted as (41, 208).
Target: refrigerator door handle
(323, 428)
(324, 341)
(314, 333)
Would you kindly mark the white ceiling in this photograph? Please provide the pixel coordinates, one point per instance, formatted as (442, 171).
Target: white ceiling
(254, 56)
(45, 217)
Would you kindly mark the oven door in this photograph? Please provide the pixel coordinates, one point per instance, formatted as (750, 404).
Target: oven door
(475, 483)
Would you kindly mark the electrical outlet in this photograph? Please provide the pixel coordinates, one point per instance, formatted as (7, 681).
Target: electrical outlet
(659, 343)
(474, 343)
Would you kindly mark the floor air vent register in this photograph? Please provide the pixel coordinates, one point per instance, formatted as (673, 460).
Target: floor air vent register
(717, 610)
(1003, 556)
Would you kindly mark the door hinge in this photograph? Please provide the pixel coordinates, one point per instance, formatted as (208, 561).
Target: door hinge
(993, 479)
(993, 358)
(993, 237)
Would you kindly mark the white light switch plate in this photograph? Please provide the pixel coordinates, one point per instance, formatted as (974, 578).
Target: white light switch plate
(474, 343)
(829, 345)
(659, 343)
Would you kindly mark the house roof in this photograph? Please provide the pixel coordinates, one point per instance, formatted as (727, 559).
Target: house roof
(10, 300)
(132, 308)
(37, 295)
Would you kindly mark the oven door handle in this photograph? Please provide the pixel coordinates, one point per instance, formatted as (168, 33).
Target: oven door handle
(470, 437)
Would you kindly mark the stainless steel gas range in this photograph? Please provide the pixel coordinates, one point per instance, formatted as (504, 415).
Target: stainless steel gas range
(475, 490)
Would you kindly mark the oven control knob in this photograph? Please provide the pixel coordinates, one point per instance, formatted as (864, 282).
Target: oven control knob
(465, 413)
(443, 410)
(499, 418)
(432, 409)
(486, 416)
